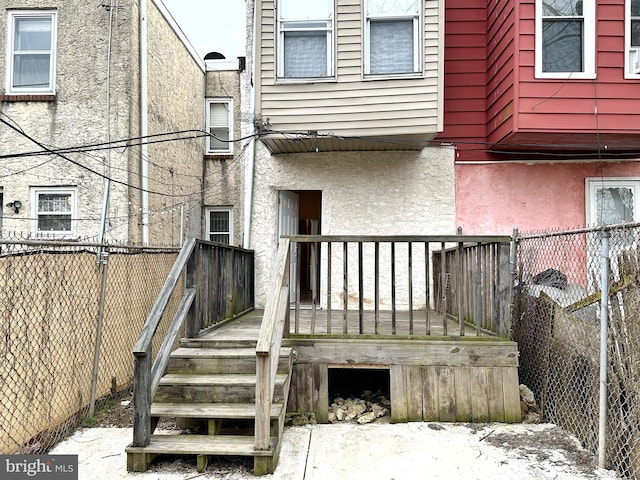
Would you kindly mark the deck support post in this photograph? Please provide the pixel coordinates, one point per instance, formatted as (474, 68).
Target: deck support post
(504, 290)
(142, 394)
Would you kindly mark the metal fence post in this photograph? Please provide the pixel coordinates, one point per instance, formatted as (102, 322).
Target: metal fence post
(104, 263)
(604, 309)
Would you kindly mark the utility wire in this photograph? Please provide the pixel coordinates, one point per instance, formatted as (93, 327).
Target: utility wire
(78, 164)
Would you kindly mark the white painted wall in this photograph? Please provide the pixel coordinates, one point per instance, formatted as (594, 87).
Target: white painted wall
(363, 193)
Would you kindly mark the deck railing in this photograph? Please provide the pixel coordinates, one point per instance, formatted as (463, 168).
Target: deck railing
(218, 285)
(274, 323)
(389, 285)
(474, 286)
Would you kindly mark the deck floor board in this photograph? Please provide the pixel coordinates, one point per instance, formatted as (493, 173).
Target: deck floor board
(247, 327)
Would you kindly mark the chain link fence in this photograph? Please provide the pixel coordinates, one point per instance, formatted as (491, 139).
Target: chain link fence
(70, 314)
(556, 322)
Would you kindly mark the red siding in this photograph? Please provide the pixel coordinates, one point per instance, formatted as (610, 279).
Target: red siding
(501, 25)
(490, 60)
(465, 79)
(569, 106)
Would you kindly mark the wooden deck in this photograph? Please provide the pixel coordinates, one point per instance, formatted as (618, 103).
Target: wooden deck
(466, 378)
(314, 322)
(437, 369)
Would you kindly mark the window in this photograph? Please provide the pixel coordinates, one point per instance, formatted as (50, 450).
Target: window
(565, 38)
(220, 225)
(220, 125)
(305, 39)
(612, 200)
(632, 37)
(53, 211)
(392, 37)
(31, 54)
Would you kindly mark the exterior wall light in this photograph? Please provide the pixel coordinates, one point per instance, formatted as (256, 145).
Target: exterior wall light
(16, 205)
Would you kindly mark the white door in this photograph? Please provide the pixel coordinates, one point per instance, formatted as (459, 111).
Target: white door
(288, 215)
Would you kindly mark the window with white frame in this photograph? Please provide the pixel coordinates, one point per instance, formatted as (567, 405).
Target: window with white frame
(220, 125)
(392, 37)
(219, 224)
(565, 38)
(612, 200)
(31, 52)
(632, 37)
(305, 39)
(53, 210)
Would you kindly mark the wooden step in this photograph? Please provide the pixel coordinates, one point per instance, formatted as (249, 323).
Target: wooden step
(139, 458)
(203, 445)
(224, 388)
(219, 360)
(211, 410)
(218, 343)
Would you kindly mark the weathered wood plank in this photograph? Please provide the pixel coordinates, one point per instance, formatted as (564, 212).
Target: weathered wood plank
(446, 394)
(321, 392)
(414, 393)
(398, 388)
(479, 402)
(504, 290)
(304, 387)
(463, 394)
(142, 405)
(406, 352)
(309, 388)
(211, 410)
(203, 445)
(512, 413)
(430, 412)
(495, 394)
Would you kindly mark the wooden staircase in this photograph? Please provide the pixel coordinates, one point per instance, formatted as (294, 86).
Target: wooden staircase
(213, 382)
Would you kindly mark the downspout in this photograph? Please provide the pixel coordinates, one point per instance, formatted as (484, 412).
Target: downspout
(251, 152)
(144, 123)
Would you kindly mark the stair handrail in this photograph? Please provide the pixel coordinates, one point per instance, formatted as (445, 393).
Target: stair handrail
(147, 375)
(276, 316)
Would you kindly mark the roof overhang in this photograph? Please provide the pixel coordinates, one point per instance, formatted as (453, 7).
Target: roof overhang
(303, 142)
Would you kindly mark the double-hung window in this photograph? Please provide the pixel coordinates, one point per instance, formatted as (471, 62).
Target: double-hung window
(219, 223)
(220, 126)
(632, 37)
(53, 211)
(305, 39)
(31, 52)
(565, 38)
(392, 37)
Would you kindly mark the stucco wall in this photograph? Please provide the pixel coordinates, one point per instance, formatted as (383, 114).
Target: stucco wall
(223, 174)
(363, 193)
(495, 198)
(76, 117)
(176, 91)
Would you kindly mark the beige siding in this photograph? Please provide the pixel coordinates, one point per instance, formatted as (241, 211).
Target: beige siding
(349, 104)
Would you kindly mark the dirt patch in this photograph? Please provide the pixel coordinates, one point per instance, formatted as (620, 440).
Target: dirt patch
(117, 412)
(545, 446)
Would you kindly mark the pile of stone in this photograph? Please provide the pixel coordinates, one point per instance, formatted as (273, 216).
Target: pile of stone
(363, 409)
(528, 406)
